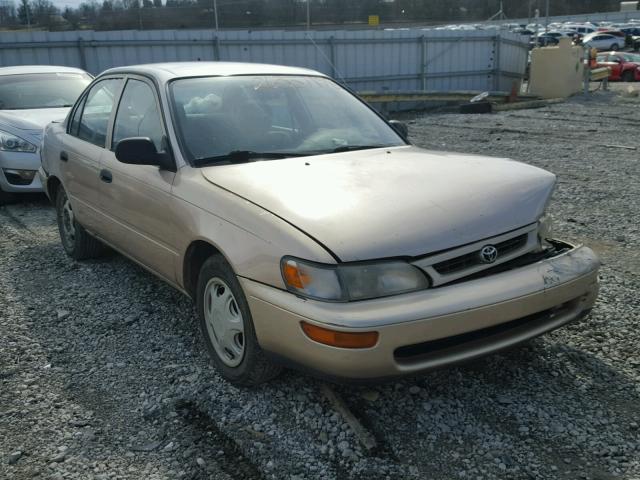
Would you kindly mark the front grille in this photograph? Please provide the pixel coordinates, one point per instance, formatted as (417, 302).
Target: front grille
(472, 259)
(557, 248)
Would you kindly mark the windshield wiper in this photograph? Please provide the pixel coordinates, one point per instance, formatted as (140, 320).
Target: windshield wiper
(244, 156)
(352, 148)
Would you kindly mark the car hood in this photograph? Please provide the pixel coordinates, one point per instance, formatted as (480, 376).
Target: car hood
(394, 202)
(31, 119)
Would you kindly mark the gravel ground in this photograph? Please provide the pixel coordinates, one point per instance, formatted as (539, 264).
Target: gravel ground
(103, 374)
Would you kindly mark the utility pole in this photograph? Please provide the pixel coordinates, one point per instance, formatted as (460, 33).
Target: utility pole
(308, 14)
(215, 14)
(546, 22)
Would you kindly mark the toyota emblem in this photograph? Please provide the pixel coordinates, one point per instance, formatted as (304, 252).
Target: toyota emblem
(488, 254)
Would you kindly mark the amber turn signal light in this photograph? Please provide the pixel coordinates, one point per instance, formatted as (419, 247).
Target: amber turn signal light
(293, 276)
(340, 339)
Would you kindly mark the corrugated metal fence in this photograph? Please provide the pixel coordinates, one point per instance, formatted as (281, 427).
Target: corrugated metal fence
(372, 60)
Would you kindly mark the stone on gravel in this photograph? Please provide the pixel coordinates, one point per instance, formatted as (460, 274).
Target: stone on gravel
(370, 395)
(13, 457)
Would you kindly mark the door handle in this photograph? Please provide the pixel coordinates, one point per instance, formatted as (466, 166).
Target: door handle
(105, 176)
(64, 156)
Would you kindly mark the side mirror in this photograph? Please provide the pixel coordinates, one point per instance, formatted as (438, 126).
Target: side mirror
(401, 128)
(142, 151)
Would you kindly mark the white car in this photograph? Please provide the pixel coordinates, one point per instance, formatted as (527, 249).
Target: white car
(603, 41)
(584, 29)
(30, 98)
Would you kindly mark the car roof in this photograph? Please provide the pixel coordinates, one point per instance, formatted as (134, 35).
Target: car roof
(26, 69)
(168, 71)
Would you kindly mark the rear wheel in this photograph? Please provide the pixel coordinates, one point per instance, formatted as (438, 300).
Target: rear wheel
(227, 326)
(627, 76)
(76, 241)
(614, 47)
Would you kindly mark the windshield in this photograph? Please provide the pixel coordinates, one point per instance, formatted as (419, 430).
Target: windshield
(41, 90)
(630, 57)
(290, 115)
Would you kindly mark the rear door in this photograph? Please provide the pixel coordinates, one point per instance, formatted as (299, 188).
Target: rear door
(136, 199)
(84, 144)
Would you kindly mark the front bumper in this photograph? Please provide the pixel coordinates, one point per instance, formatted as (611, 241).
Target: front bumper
(432, 328)
(20, 161)
(43, 177)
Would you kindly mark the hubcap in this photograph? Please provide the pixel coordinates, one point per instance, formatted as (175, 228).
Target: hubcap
(68, 224)
(224, 322)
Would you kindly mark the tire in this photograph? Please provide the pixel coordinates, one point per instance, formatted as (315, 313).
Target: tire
(76, 241)
(614, 47)
(237, 355)
(628, 76)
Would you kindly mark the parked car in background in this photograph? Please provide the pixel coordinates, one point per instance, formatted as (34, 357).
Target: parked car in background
(305, 227)
(584, 29)
(603, 41)
(523, 31)
(544, 41)
(561, 34)
(30, 98)
(633, 30)
(615, 33)
(624, 66)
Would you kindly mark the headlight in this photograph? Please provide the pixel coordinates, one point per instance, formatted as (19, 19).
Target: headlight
(343, 283)
(545, 224)
(12, 143)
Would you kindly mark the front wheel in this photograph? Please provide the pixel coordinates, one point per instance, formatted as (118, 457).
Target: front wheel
(614, 47)
(628, 76)
(76, 241)
(227, 327)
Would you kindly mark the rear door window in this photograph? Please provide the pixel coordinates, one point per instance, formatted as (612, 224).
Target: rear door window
(74, 125)
(96, 113)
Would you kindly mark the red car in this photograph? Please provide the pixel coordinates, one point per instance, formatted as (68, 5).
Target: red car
(624, 66)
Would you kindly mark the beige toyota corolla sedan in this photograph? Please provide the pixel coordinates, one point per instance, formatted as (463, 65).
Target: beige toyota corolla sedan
(307, 229)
